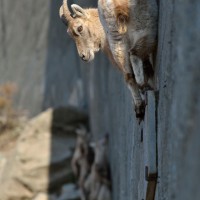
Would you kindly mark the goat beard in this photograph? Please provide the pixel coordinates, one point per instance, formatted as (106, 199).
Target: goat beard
(91, 56)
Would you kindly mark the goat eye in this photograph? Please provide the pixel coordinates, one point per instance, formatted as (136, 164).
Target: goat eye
(80, 28)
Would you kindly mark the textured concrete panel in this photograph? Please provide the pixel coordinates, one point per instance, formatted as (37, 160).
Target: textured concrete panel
(178, 111)
(23, 49)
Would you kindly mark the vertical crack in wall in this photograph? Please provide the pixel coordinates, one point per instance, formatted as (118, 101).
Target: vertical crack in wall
(3, 30)
(156, 121)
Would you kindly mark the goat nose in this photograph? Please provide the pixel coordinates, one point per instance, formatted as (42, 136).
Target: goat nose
(83, 56)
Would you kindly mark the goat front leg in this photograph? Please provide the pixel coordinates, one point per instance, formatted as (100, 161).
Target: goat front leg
(148, 72)
(143, 72)
(83, 194)
(137, 66)
(140, 60)
(122, 58)
(139, 103)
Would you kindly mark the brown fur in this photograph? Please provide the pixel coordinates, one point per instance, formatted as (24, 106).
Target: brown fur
(98, 186)
(136, 30)
(122, 14)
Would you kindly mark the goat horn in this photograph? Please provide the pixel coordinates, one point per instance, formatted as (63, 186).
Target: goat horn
(65, 14)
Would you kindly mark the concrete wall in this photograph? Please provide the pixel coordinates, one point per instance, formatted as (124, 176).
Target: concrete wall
(23, 49)
(45, 66)
(37, 55)
(179, 103)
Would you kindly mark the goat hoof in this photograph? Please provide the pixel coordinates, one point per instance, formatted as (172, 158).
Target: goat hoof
(145, 87)
(140, 111)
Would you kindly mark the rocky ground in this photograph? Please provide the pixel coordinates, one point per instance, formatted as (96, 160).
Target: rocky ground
(35, 157)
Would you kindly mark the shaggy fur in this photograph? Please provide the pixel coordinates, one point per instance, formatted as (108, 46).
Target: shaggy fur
(98, 185)
(121, 8)
(82, 159)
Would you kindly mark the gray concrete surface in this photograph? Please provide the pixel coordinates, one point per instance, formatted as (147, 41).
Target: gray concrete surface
(23, 49)
(179, 103)
(53, 68)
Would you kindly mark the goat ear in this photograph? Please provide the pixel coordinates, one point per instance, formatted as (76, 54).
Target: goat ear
(78, 11)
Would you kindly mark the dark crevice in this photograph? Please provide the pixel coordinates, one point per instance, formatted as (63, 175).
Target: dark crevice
(156, 123)
(3, 29)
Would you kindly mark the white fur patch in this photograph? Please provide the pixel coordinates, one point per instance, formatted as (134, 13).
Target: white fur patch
(137, 66)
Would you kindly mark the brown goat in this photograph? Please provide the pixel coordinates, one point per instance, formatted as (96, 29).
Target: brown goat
(82, 159)
(131, 41)
(98, 185)
(122, 14)
(132, 25)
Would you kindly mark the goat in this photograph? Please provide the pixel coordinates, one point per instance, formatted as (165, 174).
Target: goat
(132, 25)
(95, 189)
(101, 159)
(82, 159)
(91, 35)
(104, 193)
(97, 185)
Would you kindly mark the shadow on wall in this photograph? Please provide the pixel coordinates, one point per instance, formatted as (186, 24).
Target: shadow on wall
(64, 123)
(63, 69)
(62, 73)
(62, 66)
(64, 79)
(63, 86)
